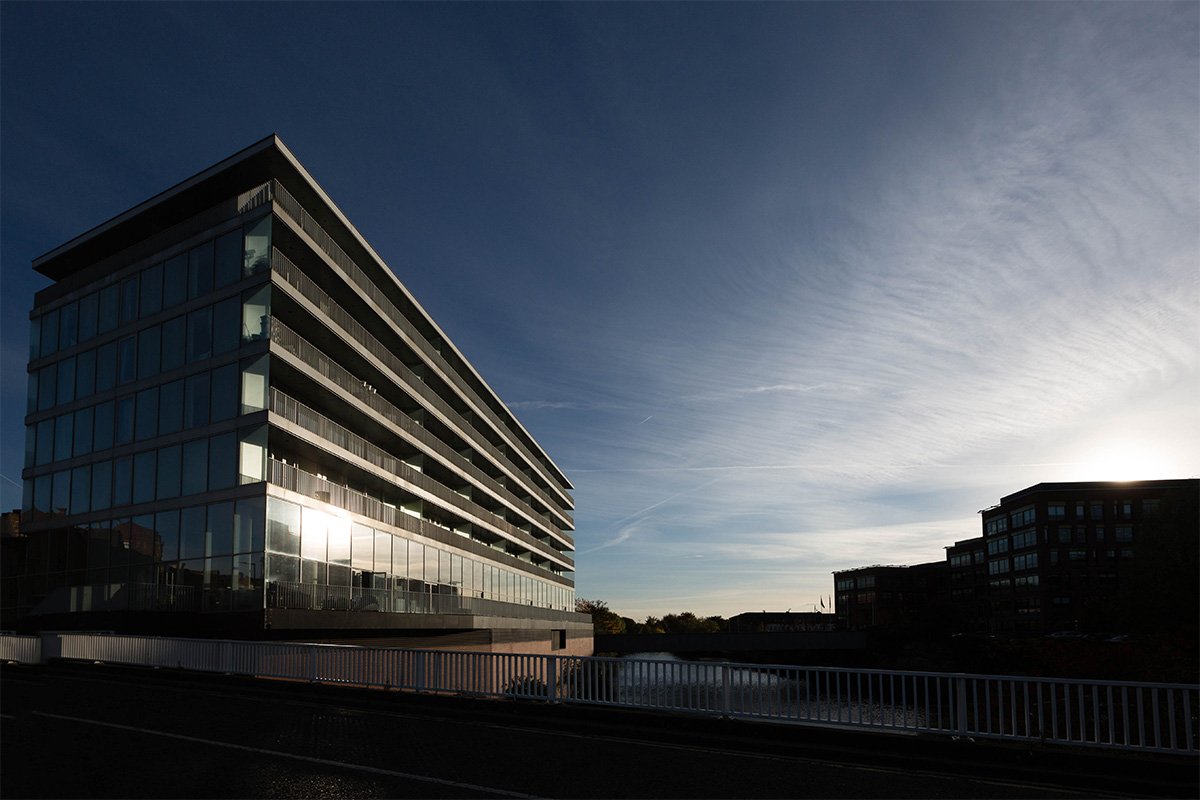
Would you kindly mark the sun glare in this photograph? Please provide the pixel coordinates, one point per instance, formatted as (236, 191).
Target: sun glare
(1124, 461)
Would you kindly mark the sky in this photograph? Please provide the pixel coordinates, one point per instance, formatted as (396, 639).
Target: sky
(783, 288)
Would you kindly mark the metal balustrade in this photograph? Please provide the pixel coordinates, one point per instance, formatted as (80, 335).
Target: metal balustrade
(1158, 717)
(326, 244)
(392, 600)
(297, 346)
(307, 288)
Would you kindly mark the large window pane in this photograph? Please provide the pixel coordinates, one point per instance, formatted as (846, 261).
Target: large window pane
(148, 352)
(122, 481)
(45, 442)
(106, 366)
(220, 529)
(147, 414)
(362, 547)
(254, 384)
(170, 471)
(256, 312)
(41, 494)
(166, 524)
(85, 373)
(249, 518)
(258, 246)
(66, 381)
(30, 445)
(129, 299)
(315, 539)
(199, 334)
(68, 326)
(126, 360)
(222, 461)
(124, 426)
(81, 490)
(383, 552)
(47, 387)
(101, 485)
(227, 333)
(145, 470)
(61, 499)
(175, 280)
(174, 343)
(64, 436)
(110, 302)
(35, 338)
(170, 407)
(50, 332)
(252, 456)
(282, 569)
(228, 259)
(84, 418)
(195, 477)
(102, 434)
(200, 270)
(89, 308)
(195, 401)
(225, 403)
(283, 527)
(151, 295)
(192, 532)
(31, 393)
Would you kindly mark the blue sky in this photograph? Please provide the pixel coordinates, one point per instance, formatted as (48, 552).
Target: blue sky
(784, 288)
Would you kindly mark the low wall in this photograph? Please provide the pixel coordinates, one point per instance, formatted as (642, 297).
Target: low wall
(729, 642)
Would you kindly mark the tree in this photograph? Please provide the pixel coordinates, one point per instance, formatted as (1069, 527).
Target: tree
(604, 621)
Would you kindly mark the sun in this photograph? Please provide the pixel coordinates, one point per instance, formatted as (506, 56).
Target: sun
(1124, 460)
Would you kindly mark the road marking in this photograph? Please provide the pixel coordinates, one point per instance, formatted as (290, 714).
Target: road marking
(280, 754)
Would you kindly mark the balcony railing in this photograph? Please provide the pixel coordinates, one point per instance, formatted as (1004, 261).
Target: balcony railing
(339, 257)
(390, 600)
(297, 480)
(296, 412)
(296, 278)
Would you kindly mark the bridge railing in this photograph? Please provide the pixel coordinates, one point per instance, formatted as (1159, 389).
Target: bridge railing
(1159, 717)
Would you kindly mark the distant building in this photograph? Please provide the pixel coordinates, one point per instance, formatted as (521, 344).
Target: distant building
(888, 596)
(782, 622)
(241, 422)
(967, 605)
(1086, 556)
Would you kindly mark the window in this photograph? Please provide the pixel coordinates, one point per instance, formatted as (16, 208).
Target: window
(146, 414)
(126, 360)
(195, 476)
(1025, 561)
(222, 461)
(995, 525)
(1024, 516)
(199, 334)
(1056, 510)
(1151, 508)
(81, 490)
(144, 472)
(122, 481)
(283, 527)
(85, 374)
(1064, 534)
(997, 546)
(200, 270)
(1079, 509)
(148, 352)
(225, 398)
(129, 299)
(254, 384)
(47, 378)
(1026, 539)
(1123, 533)
(49, 332)
(45, 442)
(64, 436)
(998, 566)
(101, 485)
(958, 560)
(151, 294)
(1097, 509)
(68, 326)
(248, 518)
(228, 266)
(1078, 554)
(174, 337)
(257, 246)
(192, 530)
(170, 407)
(84, 419)
(256, 311)
(866, 581)
(175, 280)
(110, 301)
(89, 308)
(102, 434)
(170, 471)
(252, 455)
(106, 367)
(220, 529)
(65, 381)
(166, 525)
(124, 428)
(195, 401)
(1123, 509)
(227, 333)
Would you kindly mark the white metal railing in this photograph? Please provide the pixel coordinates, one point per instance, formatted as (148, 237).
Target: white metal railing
(1159, 717)
(22, 649)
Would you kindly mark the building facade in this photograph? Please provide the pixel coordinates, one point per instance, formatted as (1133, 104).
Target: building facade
(1092, 556)
(240, 422)
(887, 596)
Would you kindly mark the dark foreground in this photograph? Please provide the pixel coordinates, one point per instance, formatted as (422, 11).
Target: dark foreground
(98, 731)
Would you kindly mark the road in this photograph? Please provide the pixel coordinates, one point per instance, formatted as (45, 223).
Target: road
(101, 731)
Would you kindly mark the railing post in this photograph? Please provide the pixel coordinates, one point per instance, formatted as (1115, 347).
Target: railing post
(312, 664)
(552, 679)
(960, 702)
(725, 690)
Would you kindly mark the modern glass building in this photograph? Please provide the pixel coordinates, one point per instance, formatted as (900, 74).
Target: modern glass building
(241, 423)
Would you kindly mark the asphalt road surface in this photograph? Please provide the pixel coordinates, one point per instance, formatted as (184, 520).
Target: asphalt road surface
(99, 731)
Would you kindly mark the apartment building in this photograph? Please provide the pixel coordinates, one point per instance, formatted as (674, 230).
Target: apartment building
(240, 422)
(887, 596)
